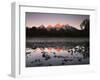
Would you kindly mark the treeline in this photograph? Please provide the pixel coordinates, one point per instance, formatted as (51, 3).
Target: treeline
(66, 31)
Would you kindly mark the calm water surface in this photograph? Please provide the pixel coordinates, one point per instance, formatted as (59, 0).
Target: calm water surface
(56, 51)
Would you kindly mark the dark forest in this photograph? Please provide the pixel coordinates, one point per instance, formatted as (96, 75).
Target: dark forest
(64, 31)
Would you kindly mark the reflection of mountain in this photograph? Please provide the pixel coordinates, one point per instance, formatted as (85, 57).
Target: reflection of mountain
(58, 30)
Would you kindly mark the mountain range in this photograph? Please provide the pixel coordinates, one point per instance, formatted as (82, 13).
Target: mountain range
(57, 27)
(57, 30)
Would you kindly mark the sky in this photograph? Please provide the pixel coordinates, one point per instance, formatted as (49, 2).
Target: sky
(37, 19)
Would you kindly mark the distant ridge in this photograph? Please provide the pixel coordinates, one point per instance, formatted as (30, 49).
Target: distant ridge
(58, 30)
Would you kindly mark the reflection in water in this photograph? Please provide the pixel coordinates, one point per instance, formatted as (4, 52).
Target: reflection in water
(52, 53)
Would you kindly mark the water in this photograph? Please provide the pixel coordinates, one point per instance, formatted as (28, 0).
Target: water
(56, 51)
